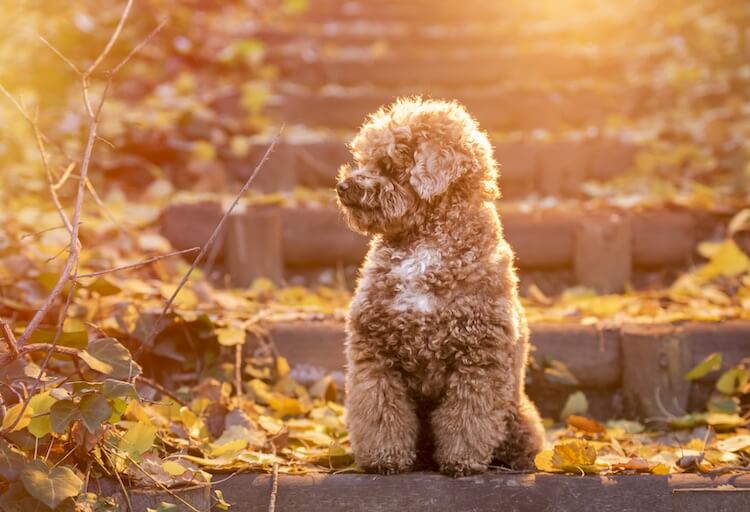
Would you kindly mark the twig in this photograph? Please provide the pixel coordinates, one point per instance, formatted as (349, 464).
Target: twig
(40, 232)
(38, 347)
(61, 55)
(158, 387)
(43, 155)
(137, 265)
(119, 480)
(274, 488)
(10, 339)
(112, 39)
(138, 47)
(163, 487)
(218, 229)
(238, 369)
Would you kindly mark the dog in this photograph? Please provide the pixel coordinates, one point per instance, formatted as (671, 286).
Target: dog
(437, 339)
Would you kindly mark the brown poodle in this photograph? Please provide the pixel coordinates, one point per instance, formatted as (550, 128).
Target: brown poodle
(437, 339)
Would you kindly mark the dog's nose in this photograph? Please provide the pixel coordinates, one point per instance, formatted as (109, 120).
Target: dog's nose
(342, 186)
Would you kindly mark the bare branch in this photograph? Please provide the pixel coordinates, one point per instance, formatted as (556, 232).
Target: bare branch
(274, 487)
(10, 339)
(112, 39)
(64, 178)
(138, 47)
(61, 55)
(161, 389)
(137, 265)
(104, 208)
(16, 104)
(198, 259)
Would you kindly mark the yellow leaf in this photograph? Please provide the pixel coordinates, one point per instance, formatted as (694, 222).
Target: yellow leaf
(285, 406)
(543, 462)
(173, 468)
(231, 336)
(138, 439)
(40, 424)
(193, 424)
(282, 367)
(728, 260)
(13, 413)
(660, 469)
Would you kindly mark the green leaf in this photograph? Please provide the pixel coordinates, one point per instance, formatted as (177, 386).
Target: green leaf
(710, 364)
(40, 424)
(112, 389)
(12, 461)
(51, 487)
(94, 410)
(724, 404)
(732, 380)
(138, 439)
(108, 356)
(61, 414)
(576, 404)
(16, 499)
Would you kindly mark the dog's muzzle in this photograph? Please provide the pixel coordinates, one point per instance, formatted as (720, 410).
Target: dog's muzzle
(349, 192)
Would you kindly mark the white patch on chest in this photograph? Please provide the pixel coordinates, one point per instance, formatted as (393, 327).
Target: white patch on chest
(412, 292)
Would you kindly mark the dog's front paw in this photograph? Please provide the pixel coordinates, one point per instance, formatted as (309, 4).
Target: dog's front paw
(462, 468)
(389, 462)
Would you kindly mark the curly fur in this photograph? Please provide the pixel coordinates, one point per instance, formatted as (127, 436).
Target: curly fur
(436, 337)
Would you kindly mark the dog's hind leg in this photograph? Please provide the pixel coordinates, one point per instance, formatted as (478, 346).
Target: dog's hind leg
(525, 437)
(470, 420)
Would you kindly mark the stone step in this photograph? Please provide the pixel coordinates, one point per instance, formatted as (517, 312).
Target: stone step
(492, 31)
(515, 108)
(602, 247)
(544, 167)
(490, 492)
(618, 367)
(457, 69)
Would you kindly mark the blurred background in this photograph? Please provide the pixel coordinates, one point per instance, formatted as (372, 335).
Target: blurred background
(621, 127)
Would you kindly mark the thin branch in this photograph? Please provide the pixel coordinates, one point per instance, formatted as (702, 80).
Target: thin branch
(103, 207)
(138, 47)
(161, 389)
(40, 232)
(238, 369)
(137, 265)
(112, 39)
(274, 488)
(64, 178)
(39, 347)
(39, 137)
(61, 55)
(217, 230)
(122, 455)
(10, 339)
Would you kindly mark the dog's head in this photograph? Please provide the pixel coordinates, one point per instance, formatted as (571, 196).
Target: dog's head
(407, 159)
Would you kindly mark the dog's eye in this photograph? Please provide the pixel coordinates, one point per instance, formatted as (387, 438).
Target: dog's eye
(384, 165)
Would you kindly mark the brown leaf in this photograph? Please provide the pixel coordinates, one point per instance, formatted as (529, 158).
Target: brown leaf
(586, 424)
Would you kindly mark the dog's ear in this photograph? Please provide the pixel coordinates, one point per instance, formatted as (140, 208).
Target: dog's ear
(435, 168)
